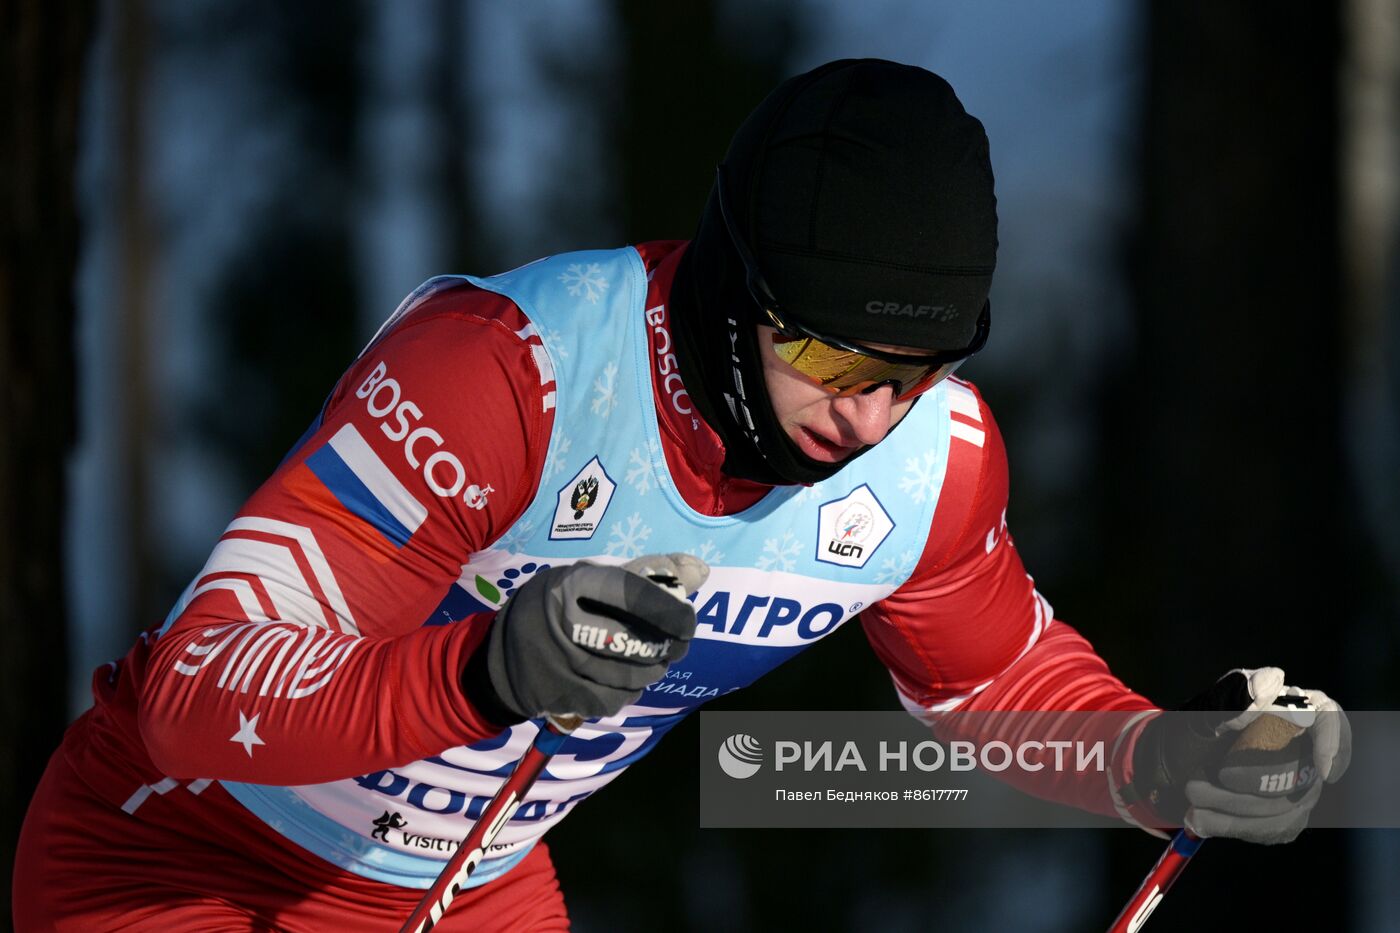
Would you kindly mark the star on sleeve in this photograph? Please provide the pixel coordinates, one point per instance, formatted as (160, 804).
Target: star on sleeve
(247, 734)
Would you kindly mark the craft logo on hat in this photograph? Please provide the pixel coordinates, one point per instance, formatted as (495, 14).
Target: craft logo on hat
(941, 313)
(850, 529)
(582, 502)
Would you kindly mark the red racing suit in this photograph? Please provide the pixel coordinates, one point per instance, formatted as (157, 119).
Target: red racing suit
(131, 828)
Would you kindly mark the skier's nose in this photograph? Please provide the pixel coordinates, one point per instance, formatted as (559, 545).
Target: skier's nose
(867, 414)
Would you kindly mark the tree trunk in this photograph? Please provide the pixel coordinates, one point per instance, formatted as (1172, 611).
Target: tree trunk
(1229, 512)
(42, 53)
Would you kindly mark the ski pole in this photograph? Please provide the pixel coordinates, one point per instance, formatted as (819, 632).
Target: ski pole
(1157, 883)
(1266, 732)
(498, 812)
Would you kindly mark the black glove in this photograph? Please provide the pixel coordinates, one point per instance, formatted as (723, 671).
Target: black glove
(1219, 769)
(585, 639)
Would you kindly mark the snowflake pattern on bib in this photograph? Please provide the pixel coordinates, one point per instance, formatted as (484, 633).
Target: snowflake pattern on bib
(627, 542)
(894, 569)
(554, 460)
(606, 388)
(639, 473)
(585, 280)
(922, 477)
(780, 555)
(707, 552)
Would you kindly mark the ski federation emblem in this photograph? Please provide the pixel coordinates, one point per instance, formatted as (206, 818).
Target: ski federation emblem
(582, 502)
(850, 529)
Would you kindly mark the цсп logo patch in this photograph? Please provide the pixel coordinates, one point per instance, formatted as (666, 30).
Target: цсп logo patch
(850, 529)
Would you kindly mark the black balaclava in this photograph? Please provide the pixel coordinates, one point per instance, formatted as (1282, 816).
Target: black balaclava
(864, 191)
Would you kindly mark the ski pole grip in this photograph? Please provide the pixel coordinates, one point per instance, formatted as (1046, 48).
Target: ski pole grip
(1267, 758)
(1267, 733)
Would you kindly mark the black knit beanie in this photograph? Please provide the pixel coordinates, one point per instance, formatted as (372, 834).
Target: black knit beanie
(864, 191)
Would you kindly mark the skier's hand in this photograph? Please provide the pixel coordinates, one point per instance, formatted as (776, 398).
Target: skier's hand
(585, 639)
(1218, 772)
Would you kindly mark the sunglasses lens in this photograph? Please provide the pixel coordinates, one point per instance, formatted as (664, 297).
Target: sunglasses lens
(930, 379)
(841, 371)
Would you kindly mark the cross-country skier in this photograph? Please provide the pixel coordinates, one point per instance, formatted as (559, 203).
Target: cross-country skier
(333, 699)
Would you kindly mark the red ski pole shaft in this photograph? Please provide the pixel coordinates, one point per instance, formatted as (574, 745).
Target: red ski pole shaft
(498, 812)
(1158, 881)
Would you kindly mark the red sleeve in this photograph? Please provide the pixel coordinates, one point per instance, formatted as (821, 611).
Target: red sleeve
(968, 630)
(300, 653)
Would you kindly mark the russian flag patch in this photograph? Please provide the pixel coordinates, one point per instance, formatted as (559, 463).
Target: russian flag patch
(362, 485)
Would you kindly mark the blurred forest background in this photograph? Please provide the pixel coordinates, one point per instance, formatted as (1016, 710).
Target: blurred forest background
(208, 205)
